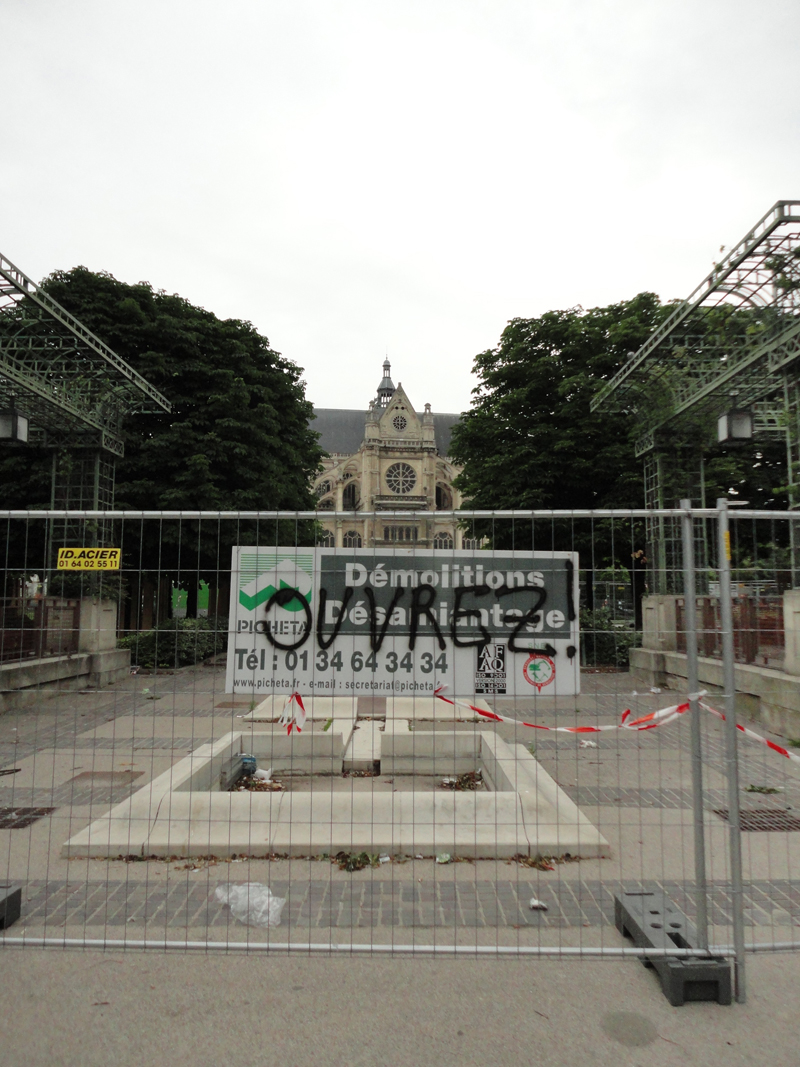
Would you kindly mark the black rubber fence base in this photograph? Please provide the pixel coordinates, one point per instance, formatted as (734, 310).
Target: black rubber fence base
(653, 921)
(10, 904)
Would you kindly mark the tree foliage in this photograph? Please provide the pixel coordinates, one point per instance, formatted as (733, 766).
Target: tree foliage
(238, 436)
(530, 440)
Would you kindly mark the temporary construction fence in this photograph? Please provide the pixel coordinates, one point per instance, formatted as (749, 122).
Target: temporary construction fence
(244, 738)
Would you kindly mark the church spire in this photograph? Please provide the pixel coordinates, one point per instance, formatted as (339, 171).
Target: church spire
(386, 388)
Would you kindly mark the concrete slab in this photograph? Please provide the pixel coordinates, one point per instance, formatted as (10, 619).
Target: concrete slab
(317, 707)
(430, 752)
(316, 822)
(554, 823)
(129, 823)
(428, 707)
(182, 812)
(463, 824)
(364, 748)
(214, 824)
(314, 751)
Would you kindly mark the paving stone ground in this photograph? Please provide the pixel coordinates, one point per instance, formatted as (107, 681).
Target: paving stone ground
(321, 904)
(642, 777)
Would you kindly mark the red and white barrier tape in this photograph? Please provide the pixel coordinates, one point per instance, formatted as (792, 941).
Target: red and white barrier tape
(645, 722)
(293, 718)
(754, 736)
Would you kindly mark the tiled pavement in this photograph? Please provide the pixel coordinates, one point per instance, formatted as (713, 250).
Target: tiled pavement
(80, 791)
(640, 798)
(321, 903)
(386, 902)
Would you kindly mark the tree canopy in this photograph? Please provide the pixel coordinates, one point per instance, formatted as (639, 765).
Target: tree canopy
(530, 440)
(238, 436)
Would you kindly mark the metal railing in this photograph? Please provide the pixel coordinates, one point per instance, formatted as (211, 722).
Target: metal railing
(110, 793)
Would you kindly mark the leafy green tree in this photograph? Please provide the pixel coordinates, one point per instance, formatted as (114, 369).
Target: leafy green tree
(531, 441)
(237, 438)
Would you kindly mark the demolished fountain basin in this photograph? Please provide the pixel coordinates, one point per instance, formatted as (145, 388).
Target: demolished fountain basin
(183, 813)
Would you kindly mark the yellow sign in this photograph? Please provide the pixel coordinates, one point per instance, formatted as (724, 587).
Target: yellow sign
(728, 545)
(88, 559)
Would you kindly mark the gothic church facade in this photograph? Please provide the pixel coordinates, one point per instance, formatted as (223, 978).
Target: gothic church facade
(387, 459)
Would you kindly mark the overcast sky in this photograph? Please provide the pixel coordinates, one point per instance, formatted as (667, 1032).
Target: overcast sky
(394, 176)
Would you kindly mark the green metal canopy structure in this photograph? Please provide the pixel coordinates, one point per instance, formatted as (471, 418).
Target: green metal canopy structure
(729, 351)
(72, 389)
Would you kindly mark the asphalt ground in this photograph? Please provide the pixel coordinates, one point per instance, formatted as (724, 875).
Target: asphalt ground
(97, 1009)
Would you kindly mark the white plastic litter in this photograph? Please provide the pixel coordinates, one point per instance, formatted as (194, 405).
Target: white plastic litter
(654, 689)
(253, 903)
(443, 857)
(383, 858)
(263, 776)
(537, 905)
(587, 744)
(419, 856)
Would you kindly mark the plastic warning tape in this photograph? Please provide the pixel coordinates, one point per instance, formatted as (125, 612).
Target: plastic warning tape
(293, 718)
(754, 736)
(645, 722)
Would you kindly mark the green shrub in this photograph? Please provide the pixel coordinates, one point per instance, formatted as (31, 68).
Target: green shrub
(105, 585)
(603, 643)
(178, 642)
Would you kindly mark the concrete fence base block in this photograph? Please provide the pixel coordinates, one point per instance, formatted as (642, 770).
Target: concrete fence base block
(653, 921)
(762, 694)
(10, 904)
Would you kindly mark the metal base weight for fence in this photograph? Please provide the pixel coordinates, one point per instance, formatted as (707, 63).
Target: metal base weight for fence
(653, 921)
(10, 904)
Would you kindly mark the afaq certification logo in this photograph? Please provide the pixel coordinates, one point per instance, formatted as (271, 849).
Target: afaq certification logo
(490, 677)
(539, 670)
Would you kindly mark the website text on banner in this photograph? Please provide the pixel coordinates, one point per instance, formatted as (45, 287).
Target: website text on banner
(381, 622)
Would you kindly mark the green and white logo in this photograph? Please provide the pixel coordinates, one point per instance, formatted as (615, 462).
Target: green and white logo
(262, 574)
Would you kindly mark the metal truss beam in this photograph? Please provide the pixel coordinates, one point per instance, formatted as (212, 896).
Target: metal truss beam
(73, 388)
(50, 404)
(24, 286)
(769, 420)
(761, 274)
(751, 373)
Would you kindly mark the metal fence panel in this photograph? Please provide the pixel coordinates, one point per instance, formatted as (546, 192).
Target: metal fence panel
(395, 816)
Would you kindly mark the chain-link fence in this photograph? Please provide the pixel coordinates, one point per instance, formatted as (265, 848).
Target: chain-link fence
(223, 731)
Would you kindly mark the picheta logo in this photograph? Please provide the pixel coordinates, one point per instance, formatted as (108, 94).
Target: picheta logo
(262, 574)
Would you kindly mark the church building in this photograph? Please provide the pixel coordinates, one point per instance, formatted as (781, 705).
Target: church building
(389, 458)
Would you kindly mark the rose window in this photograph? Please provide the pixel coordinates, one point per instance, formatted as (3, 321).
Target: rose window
(401, 478)
(399, 422)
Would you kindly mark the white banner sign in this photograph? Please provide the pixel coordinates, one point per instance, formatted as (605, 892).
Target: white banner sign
(378, 622)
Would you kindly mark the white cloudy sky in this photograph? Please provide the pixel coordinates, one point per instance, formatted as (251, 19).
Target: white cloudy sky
(359, 177)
